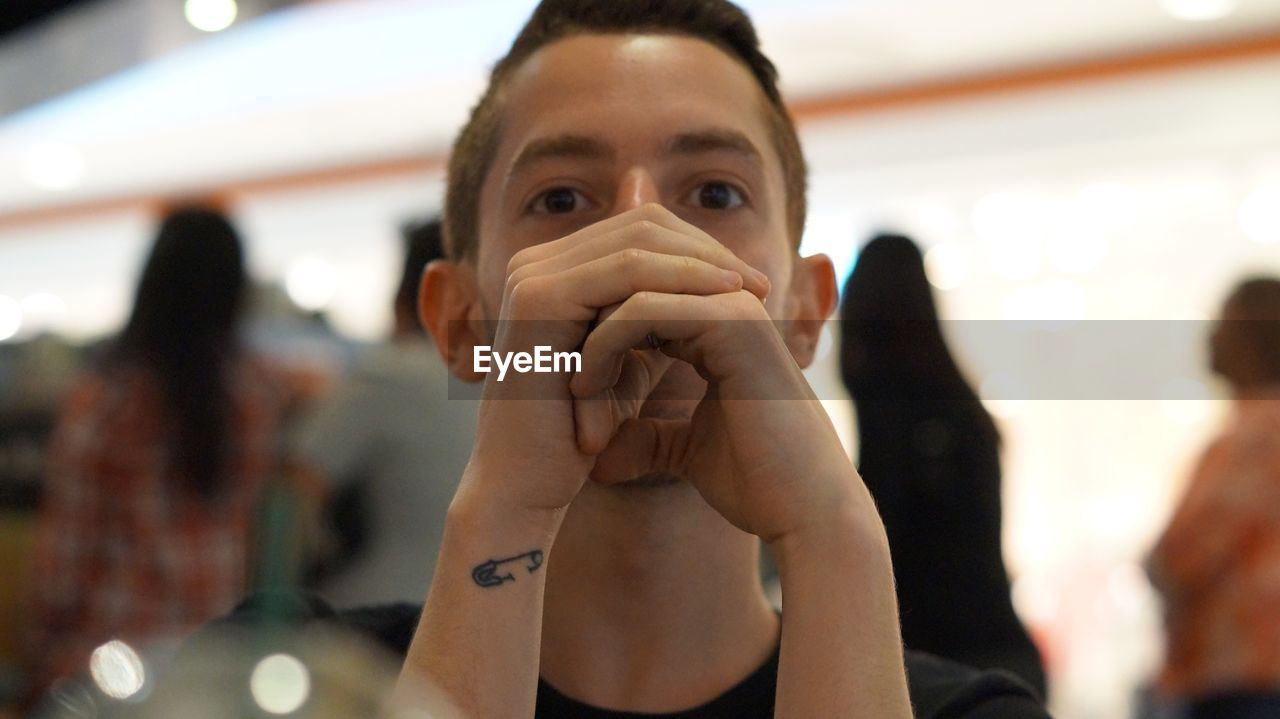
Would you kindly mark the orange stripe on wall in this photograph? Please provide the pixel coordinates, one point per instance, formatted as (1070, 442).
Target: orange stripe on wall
(824, 108)
(1165, 60)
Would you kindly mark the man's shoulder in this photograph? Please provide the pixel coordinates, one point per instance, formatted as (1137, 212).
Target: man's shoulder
(945, 689)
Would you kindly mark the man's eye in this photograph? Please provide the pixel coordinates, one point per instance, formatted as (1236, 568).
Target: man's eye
(558, 201)
(716, 196)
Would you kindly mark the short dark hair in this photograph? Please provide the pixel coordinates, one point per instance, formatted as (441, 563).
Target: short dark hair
(718, 22)
(423, 243)
(1258, 301)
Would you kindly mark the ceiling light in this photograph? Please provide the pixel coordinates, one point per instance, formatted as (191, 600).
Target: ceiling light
(210, 15)
(1199, 10)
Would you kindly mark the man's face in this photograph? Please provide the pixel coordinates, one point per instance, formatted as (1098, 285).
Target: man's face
(595, 125)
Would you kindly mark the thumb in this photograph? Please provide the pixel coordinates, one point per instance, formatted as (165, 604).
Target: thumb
(598, 418)
(643, 446)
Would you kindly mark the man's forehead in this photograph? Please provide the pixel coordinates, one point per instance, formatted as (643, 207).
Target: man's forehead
(593, 52)
(589, 94)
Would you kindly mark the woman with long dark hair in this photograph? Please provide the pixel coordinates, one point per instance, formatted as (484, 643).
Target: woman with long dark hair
(157, 461)
(930, 455)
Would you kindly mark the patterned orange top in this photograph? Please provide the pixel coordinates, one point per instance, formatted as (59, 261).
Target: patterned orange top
(122, 550)
(1218, 563)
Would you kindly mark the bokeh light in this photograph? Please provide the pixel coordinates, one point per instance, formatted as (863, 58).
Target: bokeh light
(210, 15)
(1011, 225)
(1260, 214)
(310, 283)
(117, 670)
(280, 684)
(947, 265)
(10, 317)
(1199, 10)
(42, 311)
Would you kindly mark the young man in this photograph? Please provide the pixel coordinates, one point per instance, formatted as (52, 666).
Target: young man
(631, 187)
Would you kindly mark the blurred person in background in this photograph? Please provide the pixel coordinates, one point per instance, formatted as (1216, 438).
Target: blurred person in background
(930, 455)
(157, 462)
(392, 445)
(1217, 565)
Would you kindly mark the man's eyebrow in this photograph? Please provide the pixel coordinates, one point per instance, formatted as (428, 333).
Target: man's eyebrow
(714, 140)
(560, 147)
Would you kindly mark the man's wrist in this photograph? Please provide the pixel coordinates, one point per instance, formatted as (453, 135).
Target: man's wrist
(848, 534)
(484, 505)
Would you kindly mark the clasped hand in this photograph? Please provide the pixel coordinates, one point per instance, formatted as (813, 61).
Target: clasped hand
(754, 441)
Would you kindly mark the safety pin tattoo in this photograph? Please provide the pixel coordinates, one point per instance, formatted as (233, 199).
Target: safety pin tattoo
(486, 574)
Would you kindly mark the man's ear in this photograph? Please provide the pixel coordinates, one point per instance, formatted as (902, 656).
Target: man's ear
(813, 298)
(449, 307)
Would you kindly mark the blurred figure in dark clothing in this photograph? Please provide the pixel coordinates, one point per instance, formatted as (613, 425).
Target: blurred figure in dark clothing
(930, 455)
(1217, 565)
(157, 462)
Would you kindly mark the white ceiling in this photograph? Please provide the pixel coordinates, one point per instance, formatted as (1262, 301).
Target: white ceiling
(334, 83)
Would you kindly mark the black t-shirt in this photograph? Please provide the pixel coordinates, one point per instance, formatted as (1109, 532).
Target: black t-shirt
(939, 689)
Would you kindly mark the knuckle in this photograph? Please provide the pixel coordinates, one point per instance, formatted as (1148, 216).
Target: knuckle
(518, 260)
(644, 230)
(526, 293)
(632, 256)
(742, 305)
(652, 212)
(643, 297)
(516, 275)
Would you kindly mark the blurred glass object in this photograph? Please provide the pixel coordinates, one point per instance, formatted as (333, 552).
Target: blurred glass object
(262, 670)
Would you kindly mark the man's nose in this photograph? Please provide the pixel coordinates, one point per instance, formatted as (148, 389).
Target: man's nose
(636, 188)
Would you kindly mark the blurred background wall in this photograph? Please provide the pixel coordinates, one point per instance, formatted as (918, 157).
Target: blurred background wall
(1061, 159)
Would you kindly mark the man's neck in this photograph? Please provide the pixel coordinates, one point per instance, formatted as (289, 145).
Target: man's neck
(653, 601)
